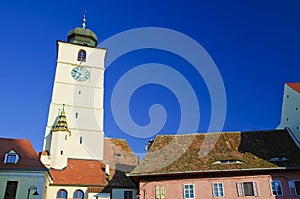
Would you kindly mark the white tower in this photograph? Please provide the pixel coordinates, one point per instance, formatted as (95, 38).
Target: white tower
(79, 85)
(59, 142)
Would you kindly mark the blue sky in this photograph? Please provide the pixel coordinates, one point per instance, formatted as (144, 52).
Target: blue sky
(254, 44)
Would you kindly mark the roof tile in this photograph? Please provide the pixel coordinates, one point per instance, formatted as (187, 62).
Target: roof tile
(180, 153)
(28, 157)
(80, 172)
(295, 86)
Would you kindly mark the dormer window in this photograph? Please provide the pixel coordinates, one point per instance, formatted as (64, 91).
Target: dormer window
(118, 155)
(81, 56)
(228, 162)
(280, 158)
(11, 157)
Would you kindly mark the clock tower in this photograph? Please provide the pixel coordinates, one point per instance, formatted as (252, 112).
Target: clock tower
(78, 96)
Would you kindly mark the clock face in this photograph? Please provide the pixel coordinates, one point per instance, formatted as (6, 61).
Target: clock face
(80, 73)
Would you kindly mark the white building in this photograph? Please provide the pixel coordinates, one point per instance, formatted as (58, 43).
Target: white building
(290, 115)
(74, 138)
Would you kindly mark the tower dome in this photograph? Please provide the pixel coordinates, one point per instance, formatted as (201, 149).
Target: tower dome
(83, 36)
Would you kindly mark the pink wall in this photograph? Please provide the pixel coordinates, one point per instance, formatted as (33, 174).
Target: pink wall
(203, 186)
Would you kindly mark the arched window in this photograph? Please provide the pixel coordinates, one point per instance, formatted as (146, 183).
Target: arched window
(81, 55)
(62, 194)
(78, 194)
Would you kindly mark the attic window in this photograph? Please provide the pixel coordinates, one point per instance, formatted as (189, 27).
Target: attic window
(11, 157)
(118, 155)
(280, 158)
(228, 162)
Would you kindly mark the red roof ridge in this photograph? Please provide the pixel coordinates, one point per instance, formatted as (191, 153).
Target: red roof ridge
(200, 133)
(295, 86)
(80, 172)
(221, 132)
(115, 138)
(86, 160)
(14, 139)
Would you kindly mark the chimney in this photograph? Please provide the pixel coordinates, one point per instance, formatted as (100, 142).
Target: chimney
(107, 169)
(148, 146)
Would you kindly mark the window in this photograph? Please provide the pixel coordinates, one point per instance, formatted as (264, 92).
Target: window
(118, 155)
(80, 140)
(189, 191)
(160, 192)
(218, 189)
(62, 194)
(278, 159)
(78, 194)
(247, 189)
(11, 189)
(81, 56)
(11, 157)
(294, 186)
(127, 194)
(76, 115)
(276, 188)
(228, 162)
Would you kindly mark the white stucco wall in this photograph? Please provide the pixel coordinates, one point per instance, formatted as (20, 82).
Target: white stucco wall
(52, 191)
(290, 116)
(83, 102)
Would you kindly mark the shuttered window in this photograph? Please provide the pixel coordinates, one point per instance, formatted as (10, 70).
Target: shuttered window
(247, 189)
(160, 192)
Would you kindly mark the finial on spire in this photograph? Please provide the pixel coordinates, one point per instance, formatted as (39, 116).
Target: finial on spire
(84, 20)
(61, 124)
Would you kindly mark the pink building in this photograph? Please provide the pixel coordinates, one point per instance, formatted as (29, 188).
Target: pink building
(260, 164)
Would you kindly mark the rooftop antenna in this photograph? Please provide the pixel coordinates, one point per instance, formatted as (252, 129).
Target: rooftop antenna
(84, 20)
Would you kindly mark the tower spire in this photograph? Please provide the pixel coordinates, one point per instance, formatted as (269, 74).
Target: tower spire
(82, 35)
(61, 124)
(84, 20)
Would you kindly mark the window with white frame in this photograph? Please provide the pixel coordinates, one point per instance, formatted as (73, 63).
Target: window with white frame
(294, 186)
(11, 157)
(247, 189)
(189, 191)
(160, 192)
(276, 188)
(218, 190)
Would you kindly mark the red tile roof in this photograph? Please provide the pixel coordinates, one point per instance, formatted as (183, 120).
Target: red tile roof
(113, 147)
(80, 172)
(254, 150)
(295, 86)
(29, 159)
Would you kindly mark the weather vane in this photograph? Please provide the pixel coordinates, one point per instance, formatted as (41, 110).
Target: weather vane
(84, 20)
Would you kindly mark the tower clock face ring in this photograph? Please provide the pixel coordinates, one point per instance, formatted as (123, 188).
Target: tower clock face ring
(80, 73)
